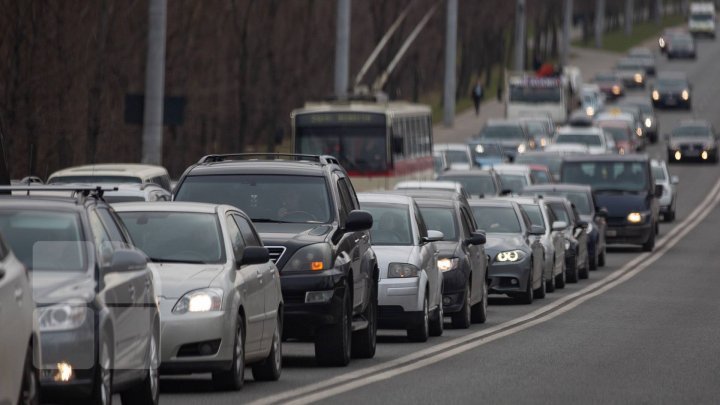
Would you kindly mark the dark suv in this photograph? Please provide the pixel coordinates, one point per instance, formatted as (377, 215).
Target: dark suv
(307, 213)
(95, 297)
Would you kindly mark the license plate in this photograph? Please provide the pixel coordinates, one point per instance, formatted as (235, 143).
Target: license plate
(670, 101)
(611, 232)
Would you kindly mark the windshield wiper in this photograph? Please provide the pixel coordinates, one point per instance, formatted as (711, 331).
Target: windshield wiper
(616, 190)
(163, 260)
(266, 220)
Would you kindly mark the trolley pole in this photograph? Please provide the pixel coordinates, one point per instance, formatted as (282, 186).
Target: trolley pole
(629, 16)
(154, 84)
(567, 27)
(450, 60)
(599, 22)
(519, 63)
(342, 49)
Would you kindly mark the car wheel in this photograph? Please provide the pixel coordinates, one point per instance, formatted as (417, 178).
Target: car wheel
(461, 320)
(437, 323)
(550, 284)
(573, 274)
(527, 296)
(364, 341)
(593, 261)
(233, 379)
(584, 272)
(650, 244)
(479, 310)
(332, 343)
(29, 391)
(271, 368)
(601, 257)
(540, 292)
(560, 278)
(670, 216)
(420, 332)
(147, 392)
(103, 384)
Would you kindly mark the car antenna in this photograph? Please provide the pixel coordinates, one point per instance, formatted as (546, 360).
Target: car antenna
(32, 153)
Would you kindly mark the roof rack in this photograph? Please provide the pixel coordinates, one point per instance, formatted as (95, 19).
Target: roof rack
(81, 192)
(322, 159)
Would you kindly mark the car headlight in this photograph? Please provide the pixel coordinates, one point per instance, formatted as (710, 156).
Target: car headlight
(685, 94)
(589, 228)
(510, 256)
(590, 111)
(616, 90)
(448, 264)
(635, 217)
(638, 78)
(316, 257)
(648, 123)
(567, 244)
(402, 270)
(521, 148)
(479, 149)
(543, 142)
(61, 317)
(638, 131)
(204, 300)
(656, 95)
(661, 42)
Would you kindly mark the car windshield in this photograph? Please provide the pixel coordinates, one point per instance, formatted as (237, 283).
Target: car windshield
(176, 237)
(391, 224)
(619, 134)
(536, 128)
(584, 139)
(552, 162)
(691, 131)
(533, 212)
(265, 198)
(479, 185)
(94, 179)
(607, 175)
(658, 173)
(361, 148)
(486, 149)
(441, 219)
(45, 240)
(502, 132)
(530, 94)
(513, 182)
(663, 83)
(605, 78)
(702, 17)
(456, 156)
(497, 219)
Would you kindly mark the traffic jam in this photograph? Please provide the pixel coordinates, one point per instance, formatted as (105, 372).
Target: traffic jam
(366, 224)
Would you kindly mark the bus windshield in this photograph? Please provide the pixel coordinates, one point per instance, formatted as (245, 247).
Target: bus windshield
(360, 148)
(528, 94)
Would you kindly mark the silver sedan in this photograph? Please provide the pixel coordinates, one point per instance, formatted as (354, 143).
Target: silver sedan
(668, 199)
(219, 294)
(410, 287)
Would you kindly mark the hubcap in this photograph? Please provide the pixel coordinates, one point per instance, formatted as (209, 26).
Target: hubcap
(277, 348)
(238, 352)
(105, 374)
(154, 363)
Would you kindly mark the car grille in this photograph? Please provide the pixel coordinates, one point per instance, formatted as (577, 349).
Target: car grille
(276, 252)
(692, 146)
(616, 221)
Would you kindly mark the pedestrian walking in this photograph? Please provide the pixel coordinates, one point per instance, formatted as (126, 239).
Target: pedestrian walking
(477, 95)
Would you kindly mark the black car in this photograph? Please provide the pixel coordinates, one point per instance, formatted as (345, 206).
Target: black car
(582, 198)
(96, 303)
(672, 89)
(624, 186)
(646, 57)
(477, 182)
(681, 46)
(461, 258)
(577, 255)
(308, 216)
(693, 140)
(510, 134)
(651, 124)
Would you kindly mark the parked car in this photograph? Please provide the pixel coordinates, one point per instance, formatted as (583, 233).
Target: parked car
(577, 257)
(668, 199)
(672, 89)
(456, 155)
(513, 247)
(582, 198)
(462, 260)
(622, 184)
(220, 301)
(20, 349)
(693, 140)
(432, 185)
(510, 134)
(596, 140)
(487, 154)
(408, 262)
(112, 173)
(553, 240)
(478, 182)
(96, 302)
(308, 216)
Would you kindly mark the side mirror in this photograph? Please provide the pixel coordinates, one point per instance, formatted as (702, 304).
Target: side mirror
(537, 230)
(254, 255)
(559, 225)
(658, 190)
(358, 220)
(127, 260)
(674, 180)
(476, 238)
(433, 236)
(603, 212)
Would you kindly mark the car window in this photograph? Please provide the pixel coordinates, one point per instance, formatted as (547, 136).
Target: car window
(658, 173)
(608, 175)
(513, 182)
(541, 177)
(115, 233)
(497, 219)
(236, 239)
(560, 212)
(248, 233)
(422, 228)
(391, 224)
(347, 202)
(441, 219)
(103, 244)
(534, 214)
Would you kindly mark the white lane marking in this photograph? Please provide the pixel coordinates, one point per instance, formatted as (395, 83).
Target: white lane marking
(437, 353)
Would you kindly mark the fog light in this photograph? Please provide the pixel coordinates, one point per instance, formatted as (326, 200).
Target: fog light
(513, 281)
(314, 297)
(447, 300)
(677, 155)
(704, 155)
(64, 372)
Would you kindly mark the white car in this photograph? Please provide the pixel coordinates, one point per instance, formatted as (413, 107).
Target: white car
(596, 140)
(432, 185)
(513, 177)
(113, 173)
(410, 286)
(137, 193)
(20, 348)
(668, 199)
(218, 290)
(456, 156)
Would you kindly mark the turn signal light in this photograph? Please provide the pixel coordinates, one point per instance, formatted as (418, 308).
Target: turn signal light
(316, 266)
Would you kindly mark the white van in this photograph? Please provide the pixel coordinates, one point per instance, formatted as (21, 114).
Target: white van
(702, 18)
(113, 173)
(528, 95)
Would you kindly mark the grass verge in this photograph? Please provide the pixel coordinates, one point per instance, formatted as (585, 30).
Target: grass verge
(617, 41)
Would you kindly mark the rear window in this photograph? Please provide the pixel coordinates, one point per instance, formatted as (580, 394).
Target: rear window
(474, 185)
(589, 140)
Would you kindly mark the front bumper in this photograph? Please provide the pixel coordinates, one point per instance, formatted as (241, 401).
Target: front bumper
(629, 234)
(509, 277)
(454, 285)
(75, 347)
(672, 100)
(399, 303)
(301, 319)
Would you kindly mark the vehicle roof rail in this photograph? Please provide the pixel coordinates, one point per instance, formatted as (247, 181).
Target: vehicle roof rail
(322, 159)
(80, 193)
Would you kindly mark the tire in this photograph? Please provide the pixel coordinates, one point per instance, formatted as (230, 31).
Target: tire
(584, 273)
(462, 319)
(550, 284)
(332, 343)
(670, 217)
(147, 392)
(478, 312)
(233, 379)
(421, 332)
(541, 292)
(102, 390)
(593, 262)
(437, 324)
(574, 274)
(30, 388)
(271, 368)
(601, 258)
(527, 297)
(650, 244)
(560, 278)
(364, 341)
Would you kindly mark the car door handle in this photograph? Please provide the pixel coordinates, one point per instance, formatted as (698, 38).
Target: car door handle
(131, 291)
(18, 294)
(258, 275)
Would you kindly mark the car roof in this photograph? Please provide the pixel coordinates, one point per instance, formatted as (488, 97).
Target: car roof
(558, 187)
(511, 168)
(385, 198)
(492, 202)
(579, 130)
(170, 206)
(47, 202)
(449, 195)
(112, 169)
(441, 147)
(428, 184)
(269, 167)
(471, 172)
(607, 157)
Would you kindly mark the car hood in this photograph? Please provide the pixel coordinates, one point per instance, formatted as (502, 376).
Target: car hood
(497, 242)
(52, 287)
(284, 234)
(173, 280)
(620, 204)
(394, 254)
(687, 139)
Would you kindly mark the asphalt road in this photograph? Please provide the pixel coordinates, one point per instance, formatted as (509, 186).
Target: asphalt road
(643, 329)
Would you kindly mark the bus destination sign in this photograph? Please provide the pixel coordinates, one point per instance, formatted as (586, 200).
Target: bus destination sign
(339, 118)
